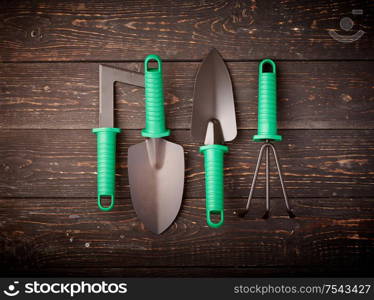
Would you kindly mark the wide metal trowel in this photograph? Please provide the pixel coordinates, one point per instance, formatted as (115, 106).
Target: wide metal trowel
(156, 166)
(213, 123)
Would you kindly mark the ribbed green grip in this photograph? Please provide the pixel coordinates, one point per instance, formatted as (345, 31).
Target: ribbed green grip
(154, 100)
(106, 164)
(267, 102)
(213, 164)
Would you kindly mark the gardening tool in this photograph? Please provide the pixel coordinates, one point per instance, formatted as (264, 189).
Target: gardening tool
(266, 132)
(156, 166)
(106, 133)
(213, 123)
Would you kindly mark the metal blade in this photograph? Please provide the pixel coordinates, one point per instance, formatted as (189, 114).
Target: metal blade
(213, 99)
(156, 176)
(213, 133)
(108, 76)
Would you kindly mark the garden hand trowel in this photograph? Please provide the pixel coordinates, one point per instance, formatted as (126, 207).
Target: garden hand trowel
(213, 122)
(156, 166)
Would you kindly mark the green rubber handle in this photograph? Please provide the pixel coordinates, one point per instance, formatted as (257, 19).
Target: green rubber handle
(154, 100)
(267, 102)
(106, 164)
(213, 164)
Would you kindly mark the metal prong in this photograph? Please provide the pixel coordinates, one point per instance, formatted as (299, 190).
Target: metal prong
(255, 175)
(289, 210)
(243, 212)
(267, 182)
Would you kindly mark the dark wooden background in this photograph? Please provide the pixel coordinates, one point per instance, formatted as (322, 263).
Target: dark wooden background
(49, 221)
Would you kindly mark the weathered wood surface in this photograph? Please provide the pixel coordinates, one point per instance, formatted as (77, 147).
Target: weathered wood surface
(179, 30)
(42, 234)
(49, 55)
(321, 95)
(354, 270)
(62, 163)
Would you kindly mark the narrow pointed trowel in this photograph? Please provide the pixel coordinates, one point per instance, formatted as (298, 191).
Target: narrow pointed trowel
(213, 123)
(156, 166)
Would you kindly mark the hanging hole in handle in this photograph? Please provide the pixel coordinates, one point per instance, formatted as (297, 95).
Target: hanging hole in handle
(105, 202)
(153, 63)
(215, 218)
(267, 66)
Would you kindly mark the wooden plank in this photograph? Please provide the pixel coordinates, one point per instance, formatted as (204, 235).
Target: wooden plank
(127, 30)
(43, 234)
(62, 163)
(192, 272)
(319, 95)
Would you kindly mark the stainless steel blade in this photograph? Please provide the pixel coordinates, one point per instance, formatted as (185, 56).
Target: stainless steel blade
(213, 133)
(108, 76)
(156, 176)
(213, 99)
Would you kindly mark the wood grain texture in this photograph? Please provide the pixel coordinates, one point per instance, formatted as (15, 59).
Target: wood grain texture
(49, 56)
(184, 30)
(356, 270)
(70, 234)
(62, 163)
(312, 95)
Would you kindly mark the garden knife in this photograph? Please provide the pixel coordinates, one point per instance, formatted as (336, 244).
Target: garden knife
(106, 132)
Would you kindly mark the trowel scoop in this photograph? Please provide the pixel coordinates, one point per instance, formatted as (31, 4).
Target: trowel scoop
(156, 166)
(213, 123)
